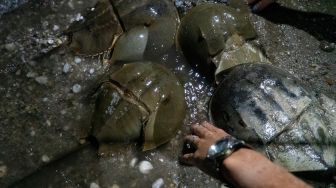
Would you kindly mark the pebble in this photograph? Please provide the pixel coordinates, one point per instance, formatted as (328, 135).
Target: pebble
(78, 60)
(145, 167)
(115, 186)
(10, 46)
(3, 171)
(223, 186)
(18, 72)
(158, 183)
(45, 158)
(56, 27)
(327, 46)
(41, 80)
(329, 81)
(31, 74)
(91, 71)
(76, 88)
(94, 185)
(66, 68)
(63, 112)
(51, 41)
(71, 5)
(82, 141)
(133, 162)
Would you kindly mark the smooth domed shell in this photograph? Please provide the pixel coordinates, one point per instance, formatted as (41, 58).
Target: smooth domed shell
(102, 26)
(159, 17)
(96, 32)
(139, 97)
(276, 113)
(204, 30)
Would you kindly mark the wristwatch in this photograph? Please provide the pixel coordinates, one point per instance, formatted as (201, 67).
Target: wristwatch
(224, 148)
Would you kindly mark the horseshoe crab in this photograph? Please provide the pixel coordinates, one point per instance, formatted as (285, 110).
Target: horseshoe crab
(141, 99)
(273, 111)
(145, 29)
(214, 33)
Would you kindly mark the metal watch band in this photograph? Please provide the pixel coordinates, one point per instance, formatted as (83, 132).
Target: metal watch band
(224, 148)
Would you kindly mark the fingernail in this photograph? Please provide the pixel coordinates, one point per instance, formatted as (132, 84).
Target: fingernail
(255, 8)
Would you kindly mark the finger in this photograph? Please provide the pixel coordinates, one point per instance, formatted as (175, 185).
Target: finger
(209, 126)
(261, 5)
(199, 130)
(193, 139)
(188, 159)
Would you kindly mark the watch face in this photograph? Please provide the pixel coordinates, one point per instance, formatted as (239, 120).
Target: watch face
(218, 149)
(224, 147)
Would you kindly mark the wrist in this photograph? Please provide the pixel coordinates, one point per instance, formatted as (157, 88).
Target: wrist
(235, 157)
(224, 148)
(234, 161)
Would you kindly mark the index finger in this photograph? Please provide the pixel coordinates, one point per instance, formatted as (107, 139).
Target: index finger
(200, 130)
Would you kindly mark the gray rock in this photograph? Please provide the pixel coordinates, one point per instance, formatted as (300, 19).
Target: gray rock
(66, 68)
(76, 88)
(42, 80)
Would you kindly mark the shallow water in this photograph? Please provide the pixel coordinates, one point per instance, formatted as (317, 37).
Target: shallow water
(44, 114)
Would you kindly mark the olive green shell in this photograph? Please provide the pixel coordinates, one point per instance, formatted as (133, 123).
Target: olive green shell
(99, 32)
(204, 31)
(140, 99)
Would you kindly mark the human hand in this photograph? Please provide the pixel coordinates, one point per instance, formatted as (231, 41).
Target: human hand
(204, 135)
(258, 5)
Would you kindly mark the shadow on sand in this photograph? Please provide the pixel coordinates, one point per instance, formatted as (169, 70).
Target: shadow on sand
(321, 26)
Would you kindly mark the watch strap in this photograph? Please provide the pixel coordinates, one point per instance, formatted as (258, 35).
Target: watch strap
(224, 147)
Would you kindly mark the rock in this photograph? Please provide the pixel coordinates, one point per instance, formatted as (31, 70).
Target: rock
(51, 41)
(18, 72)
(42, 80)
(48, 123)
(158, 183)
(329, 81)
(31, 74)
(82, 141)
(145, 167)
(3, 171)
(91, 71)
(56, 27)
(45, 158)
(223, 186)
(10, 47)
(133, 162)
(66, 68)
(94, 185)
(32, 133)
(76, 88)
(327, 46)
(115, 186)
(78, 60)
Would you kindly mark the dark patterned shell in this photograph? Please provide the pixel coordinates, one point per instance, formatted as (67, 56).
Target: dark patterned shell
(140, 98)
(273, 111)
